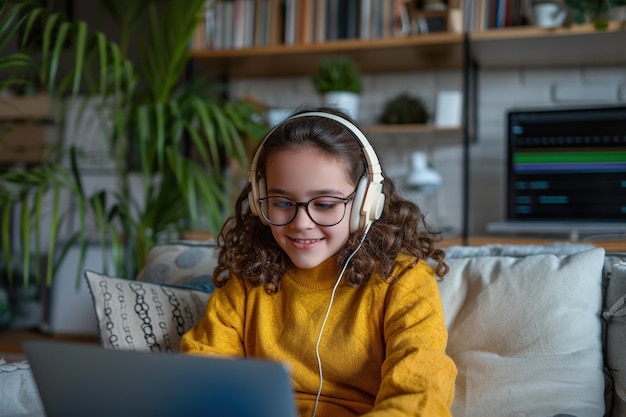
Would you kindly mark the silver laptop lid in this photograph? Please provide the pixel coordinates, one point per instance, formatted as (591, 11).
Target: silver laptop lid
(80, 379)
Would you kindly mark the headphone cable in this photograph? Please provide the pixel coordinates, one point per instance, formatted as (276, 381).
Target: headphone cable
(332, 297)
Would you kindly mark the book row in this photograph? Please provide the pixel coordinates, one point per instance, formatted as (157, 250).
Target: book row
(234, 24)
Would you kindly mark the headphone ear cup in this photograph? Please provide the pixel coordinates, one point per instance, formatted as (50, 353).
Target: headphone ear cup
(356, 218)
(258, 191)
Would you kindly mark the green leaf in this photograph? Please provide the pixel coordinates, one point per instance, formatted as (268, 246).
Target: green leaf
(54, 230)
(6, 210)
(81, 44)
(26, 230)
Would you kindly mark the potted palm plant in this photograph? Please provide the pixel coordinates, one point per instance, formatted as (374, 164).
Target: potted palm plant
(339, 82)
(167, 136)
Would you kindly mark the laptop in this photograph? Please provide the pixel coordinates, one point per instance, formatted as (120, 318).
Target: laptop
(77, 379)
(566, 171)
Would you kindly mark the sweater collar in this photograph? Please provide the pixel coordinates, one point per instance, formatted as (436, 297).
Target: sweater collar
(322, 277)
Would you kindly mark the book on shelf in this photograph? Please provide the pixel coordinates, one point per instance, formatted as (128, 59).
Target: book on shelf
(320, 21)
(260, 15)
(306, 21)
(289, 22)
(483, 15)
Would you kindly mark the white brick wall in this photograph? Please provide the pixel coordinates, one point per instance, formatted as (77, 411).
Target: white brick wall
(499, 90)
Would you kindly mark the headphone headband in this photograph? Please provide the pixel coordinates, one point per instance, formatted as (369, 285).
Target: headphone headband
(369, 199)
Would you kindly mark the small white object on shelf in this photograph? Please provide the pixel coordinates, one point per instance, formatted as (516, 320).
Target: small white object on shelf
(422, 177)
(448, 112)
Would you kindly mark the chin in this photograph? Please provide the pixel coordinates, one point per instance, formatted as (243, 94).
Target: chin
(306, 264)
(307, 261)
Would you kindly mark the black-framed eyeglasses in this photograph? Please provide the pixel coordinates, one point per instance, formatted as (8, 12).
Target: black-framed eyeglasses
(323, 210)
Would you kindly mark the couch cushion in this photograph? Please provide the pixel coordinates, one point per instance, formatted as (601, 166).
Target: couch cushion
(135, 315)
(525, 334)
(615, 316)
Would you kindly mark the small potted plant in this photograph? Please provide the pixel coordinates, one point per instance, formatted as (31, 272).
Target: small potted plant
(339, 82)
(589, 11)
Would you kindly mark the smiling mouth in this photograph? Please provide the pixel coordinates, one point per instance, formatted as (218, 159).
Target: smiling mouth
(305, 241)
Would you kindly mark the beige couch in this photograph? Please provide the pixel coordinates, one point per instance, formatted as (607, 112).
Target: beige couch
(535, 331)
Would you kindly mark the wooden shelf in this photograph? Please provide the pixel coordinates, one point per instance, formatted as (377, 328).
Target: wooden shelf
(578, 45)
(527, 46)
(432, 51)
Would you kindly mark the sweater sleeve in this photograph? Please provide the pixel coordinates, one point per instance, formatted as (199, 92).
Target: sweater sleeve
(417, 375)
(220, 330)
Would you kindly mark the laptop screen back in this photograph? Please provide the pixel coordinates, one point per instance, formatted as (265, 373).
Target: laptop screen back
(567, 165)
(77, 380)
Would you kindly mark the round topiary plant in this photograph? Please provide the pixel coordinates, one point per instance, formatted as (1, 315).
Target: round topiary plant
(404, 109)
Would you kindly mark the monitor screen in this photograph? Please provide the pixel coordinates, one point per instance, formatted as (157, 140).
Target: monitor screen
(567, 164)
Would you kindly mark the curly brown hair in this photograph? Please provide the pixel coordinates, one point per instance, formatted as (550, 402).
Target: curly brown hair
(248, 249)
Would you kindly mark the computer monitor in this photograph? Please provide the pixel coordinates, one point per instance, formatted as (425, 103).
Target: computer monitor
(566, 169)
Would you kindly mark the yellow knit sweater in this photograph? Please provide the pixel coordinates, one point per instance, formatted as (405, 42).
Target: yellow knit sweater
(382, 349)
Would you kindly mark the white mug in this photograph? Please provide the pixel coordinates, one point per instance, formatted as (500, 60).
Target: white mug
(548, 15)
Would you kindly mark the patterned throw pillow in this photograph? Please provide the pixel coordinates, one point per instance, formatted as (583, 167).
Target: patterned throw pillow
(143, 316)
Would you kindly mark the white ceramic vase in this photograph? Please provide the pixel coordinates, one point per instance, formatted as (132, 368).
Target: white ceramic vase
(344, 101)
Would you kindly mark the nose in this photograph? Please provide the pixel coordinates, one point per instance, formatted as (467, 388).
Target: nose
(302, 219)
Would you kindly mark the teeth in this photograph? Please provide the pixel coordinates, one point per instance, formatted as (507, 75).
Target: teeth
(306, 241)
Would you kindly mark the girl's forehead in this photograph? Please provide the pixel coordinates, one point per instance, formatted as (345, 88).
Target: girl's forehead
(310, 166)
(305, 152)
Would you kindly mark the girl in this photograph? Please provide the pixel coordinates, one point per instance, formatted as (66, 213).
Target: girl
(324, 266)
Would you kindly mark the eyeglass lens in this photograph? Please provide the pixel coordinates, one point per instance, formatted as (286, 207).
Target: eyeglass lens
(324, 211)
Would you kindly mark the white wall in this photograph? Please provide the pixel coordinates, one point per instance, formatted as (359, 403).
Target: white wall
(499, 90)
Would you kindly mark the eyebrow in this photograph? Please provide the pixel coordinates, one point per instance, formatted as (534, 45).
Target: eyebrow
(322, 192)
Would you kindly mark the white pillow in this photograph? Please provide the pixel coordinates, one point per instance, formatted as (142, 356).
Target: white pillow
(525, 334)
(143, 316)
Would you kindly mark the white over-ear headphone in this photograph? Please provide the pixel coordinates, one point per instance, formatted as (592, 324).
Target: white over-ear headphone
(369, 199)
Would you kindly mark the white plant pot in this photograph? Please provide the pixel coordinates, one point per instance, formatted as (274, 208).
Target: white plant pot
(345, 101)
(617, 13)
